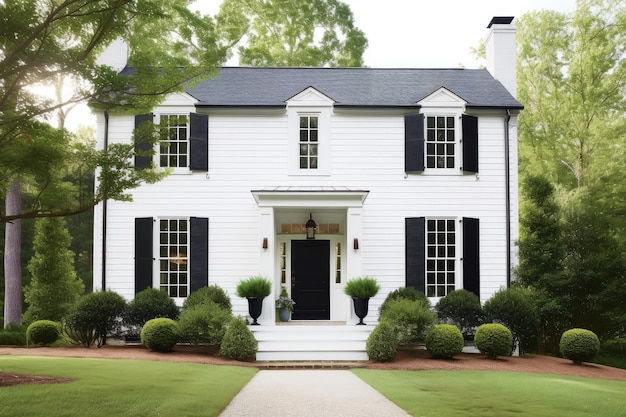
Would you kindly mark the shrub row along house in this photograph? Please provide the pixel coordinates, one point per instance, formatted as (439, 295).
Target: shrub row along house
(314, 176)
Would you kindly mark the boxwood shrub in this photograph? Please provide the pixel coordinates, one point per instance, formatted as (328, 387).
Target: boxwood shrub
(493, 340)
(148, 304)
(238, 342)
(204, 323)
(160, 335)
(444, 341)
(43, 332)
(462, 308)
(579, 345)
(13, 334)
(411, 319)
(382, 343)
(212, 293)
(408, 293)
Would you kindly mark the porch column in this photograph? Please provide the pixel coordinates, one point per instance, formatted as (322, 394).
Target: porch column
(354, 266)
(267, 265)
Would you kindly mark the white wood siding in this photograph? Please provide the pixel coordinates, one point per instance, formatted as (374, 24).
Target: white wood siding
(250, 152)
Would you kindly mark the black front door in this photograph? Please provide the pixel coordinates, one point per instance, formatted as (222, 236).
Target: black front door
(310, 275)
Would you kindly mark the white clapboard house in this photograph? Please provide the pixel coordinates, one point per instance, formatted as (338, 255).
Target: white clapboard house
(410, 176)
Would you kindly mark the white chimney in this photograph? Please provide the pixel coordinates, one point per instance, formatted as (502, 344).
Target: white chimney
(500, 50)
(115, 55)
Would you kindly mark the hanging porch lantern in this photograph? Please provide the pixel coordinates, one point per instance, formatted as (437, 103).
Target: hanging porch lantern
(310, 227)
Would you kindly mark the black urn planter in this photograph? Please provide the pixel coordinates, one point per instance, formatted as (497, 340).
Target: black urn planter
(255, 304)
(360, 308)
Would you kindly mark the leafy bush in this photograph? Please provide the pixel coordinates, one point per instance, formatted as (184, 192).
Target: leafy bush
(238, 342)
(148, 304)
(160, 335)
(94, 317)
(516, 309)
(382, 343)
(494, 339)
(407, 293)
(614, 347)
(463, 309)
(579, 345)
(254, 287)
(43, 332)
(13, 334)
(362, 287)
(212, 293)
(204, 323)
(444, 341)
(410, 319)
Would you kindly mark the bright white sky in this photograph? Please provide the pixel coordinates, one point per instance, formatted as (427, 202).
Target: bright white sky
(415, 33)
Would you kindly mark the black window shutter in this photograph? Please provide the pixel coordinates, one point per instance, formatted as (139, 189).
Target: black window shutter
(470, 143)
(143, 253)
(142, 144)
(414, 143)
(198, 252)
(471, 255)
(415, 252)
(199, 142)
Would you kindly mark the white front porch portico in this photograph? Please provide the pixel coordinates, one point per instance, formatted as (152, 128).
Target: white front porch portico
(337, 212)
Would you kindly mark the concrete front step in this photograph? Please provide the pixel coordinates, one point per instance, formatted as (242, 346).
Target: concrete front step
(311, 342)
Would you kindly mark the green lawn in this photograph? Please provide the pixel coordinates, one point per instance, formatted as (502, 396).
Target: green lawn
(110, 387)
(501, 394)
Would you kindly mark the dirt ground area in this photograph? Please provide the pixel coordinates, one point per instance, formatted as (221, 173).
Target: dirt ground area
(414, 360)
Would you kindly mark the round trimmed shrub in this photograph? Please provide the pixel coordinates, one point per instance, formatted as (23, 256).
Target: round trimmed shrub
(382, 343)
(463, 309)
(43, 332)
(444, 341)
(204, 324)
(494, 340)
(160, 335)
(579, 345)
(411, 319)
(238, 342)
(407, 293)
(148, 304)
(212, 293)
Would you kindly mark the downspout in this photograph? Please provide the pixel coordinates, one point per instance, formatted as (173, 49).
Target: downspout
(507, 175)
(104, 208)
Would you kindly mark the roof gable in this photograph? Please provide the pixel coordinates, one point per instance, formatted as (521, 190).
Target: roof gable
(442, 97)
(310, 97)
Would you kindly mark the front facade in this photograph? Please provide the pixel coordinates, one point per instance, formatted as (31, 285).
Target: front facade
(409, 175)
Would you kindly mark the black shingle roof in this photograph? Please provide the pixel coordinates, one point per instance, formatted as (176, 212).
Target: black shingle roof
(359, 87)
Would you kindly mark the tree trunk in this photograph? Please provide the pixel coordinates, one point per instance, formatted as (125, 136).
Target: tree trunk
(12, 258)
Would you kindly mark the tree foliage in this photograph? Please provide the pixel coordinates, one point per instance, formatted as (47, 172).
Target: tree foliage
(54, 286)
(572, 81)
(286, 33)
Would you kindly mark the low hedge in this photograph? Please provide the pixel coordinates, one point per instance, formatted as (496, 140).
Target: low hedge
(494, 340)
(444, 341)
(579, 345)
(43, 332)
(160, 335)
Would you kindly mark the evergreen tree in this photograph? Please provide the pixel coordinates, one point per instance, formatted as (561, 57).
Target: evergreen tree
(54, 286)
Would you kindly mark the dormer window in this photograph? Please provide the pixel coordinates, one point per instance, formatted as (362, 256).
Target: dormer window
(440, 142)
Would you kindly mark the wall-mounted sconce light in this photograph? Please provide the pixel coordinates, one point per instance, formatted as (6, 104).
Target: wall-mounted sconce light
(356, 243)
(264, 243)
(310, 227)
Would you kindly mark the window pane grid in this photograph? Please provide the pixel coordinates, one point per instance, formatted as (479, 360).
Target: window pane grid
(440, 257)
(174, 257)
(174, 141)
(308, 142)
(440, 142)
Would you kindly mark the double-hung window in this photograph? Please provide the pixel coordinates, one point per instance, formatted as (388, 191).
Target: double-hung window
(440, 257)
(440, 142)
(174, 141)
(308, 142)
(174, 257)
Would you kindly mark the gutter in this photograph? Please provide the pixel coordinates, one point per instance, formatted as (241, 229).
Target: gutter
(104, 208)
(507, 175)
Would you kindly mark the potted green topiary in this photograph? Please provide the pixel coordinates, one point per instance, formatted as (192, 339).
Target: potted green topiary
(284, 304)
(254, 289)
(361, 290)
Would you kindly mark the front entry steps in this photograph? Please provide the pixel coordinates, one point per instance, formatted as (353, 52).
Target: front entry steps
(306, 342)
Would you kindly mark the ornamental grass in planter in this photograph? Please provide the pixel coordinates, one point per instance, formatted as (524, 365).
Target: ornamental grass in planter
(361, 290)
(254, 289)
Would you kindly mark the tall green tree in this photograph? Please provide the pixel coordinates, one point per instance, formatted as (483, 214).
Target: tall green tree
(42, 42)
(54, 285)
(285, 33)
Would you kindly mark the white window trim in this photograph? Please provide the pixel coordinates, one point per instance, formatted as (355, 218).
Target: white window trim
(156, 243)
(458, 264)
(157, 153)
(458, 148)
(324, 141)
